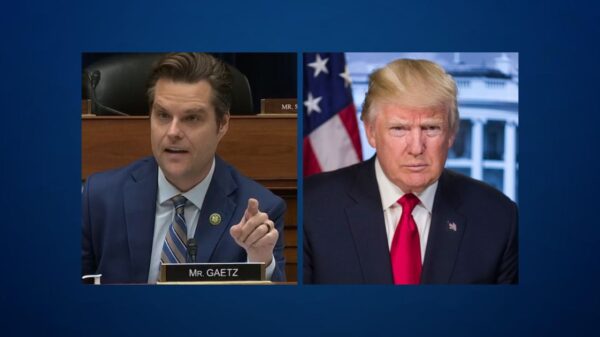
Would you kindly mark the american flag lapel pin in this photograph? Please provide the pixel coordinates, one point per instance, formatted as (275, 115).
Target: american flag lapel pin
(452, 226)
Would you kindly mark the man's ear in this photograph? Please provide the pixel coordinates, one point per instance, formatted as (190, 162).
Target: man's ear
(223, 126)
(451, 140)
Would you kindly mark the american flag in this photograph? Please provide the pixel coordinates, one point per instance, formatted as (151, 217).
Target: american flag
(331, 137)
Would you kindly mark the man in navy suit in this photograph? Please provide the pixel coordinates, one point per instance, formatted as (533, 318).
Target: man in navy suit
(400, 217)
(137, 216)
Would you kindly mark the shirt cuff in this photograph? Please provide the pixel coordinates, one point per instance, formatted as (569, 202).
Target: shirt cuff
(270, 268)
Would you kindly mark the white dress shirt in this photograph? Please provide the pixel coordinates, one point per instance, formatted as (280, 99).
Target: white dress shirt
(165, 213)
(392, 211)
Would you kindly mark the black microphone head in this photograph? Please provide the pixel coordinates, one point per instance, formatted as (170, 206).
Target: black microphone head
(192, 249)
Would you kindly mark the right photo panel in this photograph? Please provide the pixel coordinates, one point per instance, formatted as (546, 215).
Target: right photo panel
(410, 168)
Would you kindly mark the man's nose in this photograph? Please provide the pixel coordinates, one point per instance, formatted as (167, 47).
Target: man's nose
(416, 142)
(174, 129)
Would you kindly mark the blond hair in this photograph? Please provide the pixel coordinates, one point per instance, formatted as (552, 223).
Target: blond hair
(412, 83)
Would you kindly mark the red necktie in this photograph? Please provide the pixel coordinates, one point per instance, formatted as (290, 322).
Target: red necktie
(406, 248)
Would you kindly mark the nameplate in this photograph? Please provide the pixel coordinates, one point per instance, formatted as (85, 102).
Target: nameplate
(278, 106)
(212, 272)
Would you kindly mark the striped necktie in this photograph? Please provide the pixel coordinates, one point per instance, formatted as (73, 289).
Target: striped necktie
(175, 247)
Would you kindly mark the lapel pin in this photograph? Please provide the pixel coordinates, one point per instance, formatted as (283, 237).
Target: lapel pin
(215, 219)
(452, 226)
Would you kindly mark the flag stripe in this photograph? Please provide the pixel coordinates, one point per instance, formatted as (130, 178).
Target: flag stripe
(333, 155)
(348, 117)
(311, 164)
(331, 136)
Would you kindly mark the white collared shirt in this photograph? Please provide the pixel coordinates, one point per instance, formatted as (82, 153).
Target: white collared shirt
(165, 212)
(392, 211)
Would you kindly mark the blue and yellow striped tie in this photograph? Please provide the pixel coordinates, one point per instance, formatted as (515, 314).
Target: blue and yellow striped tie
(175, 247)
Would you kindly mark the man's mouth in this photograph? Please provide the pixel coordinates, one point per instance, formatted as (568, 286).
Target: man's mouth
(175, 150)
(415, 167)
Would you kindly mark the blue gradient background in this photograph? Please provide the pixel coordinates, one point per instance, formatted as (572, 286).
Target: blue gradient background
(558, 46)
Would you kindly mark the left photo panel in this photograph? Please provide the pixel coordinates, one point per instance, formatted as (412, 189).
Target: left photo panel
(189, 168)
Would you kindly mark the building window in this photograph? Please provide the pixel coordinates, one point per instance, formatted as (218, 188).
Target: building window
(494, 177)
(462, 142)
(462, 170)
(493, 140)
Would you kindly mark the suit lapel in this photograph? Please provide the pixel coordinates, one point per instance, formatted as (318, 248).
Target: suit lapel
(217, 202)
(445, 234)
(139, 201)
(367, 225)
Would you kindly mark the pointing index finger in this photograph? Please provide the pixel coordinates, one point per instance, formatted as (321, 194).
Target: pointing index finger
(252, 206)
(251, 209)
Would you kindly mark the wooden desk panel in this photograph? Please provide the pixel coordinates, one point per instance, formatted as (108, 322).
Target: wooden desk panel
(110, 142)
(262, 147)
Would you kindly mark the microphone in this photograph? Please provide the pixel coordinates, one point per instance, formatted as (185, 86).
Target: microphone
(192, 248)
(94, 78)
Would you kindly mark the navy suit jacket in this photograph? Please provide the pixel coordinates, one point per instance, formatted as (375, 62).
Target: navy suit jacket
(345, 240)
(119, 207)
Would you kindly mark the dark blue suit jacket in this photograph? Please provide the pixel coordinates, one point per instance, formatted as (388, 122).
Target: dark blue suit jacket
(119, 207)
(345, 240)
